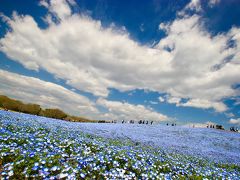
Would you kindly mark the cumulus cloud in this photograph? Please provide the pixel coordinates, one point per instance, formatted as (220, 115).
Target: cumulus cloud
(161, 99)
(58, 8)
(199, 62)
(211, 3)
(50, 95)
(173, 100)
(125, 111)
(47, 94)
(197, 103)
(205, 104)
(235, 121)
(153, 102)
(229, 115)
(237, 101)
(189, 63)
(193, 6)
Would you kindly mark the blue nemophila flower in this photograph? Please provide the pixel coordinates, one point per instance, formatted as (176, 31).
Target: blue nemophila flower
(45, 169)
(62, 175)
(4, 173)
(32, 155)
(52, 150)
(43, 173)
(43, 162)
(54, 168)
(82, 175)
(35, 168)
(10, 173)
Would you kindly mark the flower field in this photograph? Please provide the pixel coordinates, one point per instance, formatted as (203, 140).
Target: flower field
(43, 148)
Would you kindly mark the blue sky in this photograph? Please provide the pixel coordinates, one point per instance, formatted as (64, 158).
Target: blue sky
(158, 60)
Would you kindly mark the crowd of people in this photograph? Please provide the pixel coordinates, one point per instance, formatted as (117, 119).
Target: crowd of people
(173, 124)
(133, 122)
(141, 122)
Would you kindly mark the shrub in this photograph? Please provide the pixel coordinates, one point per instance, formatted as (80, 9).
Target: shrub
(53, 113)
(30, 108)
(35, 109)
(3, 99)
(101, 121)
(10, 104)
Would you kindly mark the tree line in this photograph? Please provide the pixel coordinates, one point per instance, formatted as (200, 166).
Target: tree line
(35, 109)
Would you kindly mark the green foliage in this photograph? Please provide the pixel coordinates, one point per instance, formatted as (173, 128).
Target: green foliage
(3, 99)
(11, 104)
(229, 167)
(101, 121)
(30, 108)
(35, 109)
(98, 157)
(54, 113)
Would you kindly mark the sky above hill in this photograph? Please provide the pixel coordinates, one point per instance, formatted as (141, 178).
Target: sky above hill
(155, 59)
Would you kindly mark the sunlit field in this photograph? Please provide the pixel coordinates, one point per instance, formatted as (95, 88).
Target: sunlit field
(39, 147)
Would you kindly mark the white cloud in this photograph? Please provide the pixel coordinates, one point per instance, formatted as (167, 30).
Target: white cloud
(205, 104)
(235, 121)
(211, 3)
(193, 5)
(161, 99)
(153, 102)
(125, 111)
(44, 3)
(173, 100)
(195, 56)
(237, 101)
(197, 103)
(141, 27)
(59, 8)
(47, 94)
(50, 95)
(188, 63)
(229, 115)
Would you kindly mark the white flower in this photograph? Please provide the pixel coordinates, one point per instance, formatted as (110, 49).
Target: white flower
(10, 173)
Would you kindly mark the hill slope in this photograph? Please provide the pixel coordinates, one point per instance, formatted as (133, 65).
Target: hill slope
(215, 145)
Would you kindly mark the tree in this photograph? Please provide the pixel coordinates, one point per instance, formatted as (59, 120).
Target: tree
(10, 104)
(15, 105)
(30, 109)
(54, 113)
(3, 99)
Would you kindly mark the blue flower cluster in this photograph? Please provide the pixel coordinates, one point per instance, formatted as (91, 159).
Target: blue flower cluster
(31, 149)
